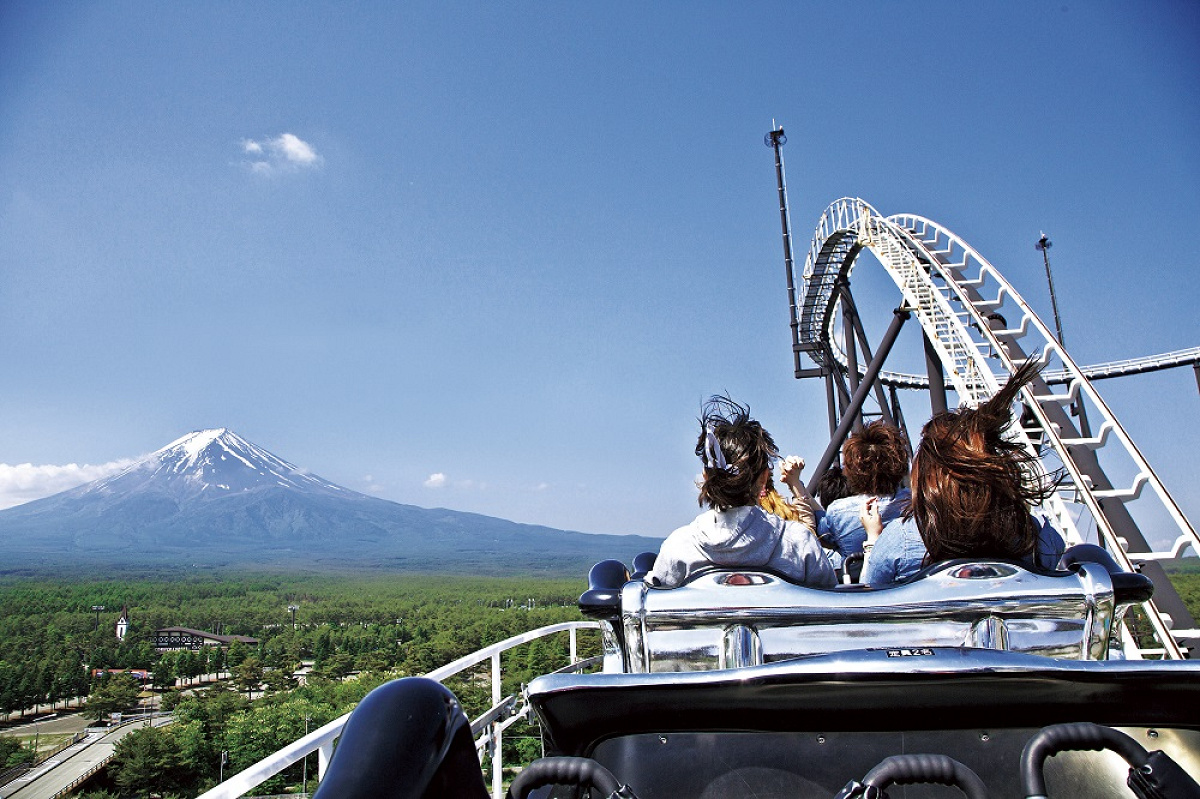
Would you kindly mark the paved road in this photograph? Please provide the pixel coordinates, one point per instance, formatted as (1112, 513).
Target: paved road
(62, 724)
(58, 772)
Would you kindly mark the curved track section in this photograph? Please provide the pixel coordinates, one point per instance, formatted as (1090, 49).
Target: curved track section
(981, 330)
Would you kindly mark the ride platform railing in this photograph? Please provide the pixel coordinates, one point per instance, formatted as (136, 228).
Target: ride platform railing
(488, 728)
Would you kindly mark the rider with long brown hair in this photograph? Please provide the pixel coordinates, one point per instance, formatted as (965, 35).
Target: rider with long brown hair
(972, 495)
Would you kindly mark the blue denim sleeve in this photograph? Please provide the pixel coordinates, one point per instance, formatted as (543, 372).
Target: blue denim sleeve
(881, 564)
(841, 528)
(898, 553)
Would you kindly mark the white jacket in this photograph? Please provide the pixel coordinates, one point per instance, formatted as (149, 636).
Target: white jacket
(746, 537)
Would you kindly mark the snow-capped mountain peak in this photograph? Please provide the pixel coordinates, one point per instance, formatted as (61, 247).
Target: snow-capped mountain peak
(209, 463)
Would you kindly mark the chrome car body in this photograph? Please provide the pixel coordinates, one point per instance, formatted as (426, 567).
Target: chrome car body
(725, 619)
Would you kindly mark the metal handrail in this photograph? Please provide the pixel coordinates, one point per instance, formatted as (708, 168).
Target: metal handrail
(321, 740)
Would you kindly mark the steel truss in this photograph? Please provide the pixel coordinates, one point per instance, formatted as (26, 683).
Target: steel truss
(977, 331)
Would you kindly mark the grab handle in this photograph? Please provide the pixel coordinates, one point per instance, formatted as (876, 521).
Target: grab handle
(581, 771)
(910, 769)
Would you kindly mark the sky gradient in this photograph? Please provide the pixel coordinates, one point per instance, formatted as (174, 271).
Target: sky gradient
(492, 257)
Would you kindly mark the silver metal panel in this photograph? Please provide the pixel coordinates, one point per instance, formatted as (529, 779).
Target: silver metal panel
(990, 605)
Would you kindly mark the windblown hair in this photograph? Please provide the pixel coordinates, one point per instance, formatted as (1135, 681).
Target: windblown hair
(876, 459)
(833, 485)
(972, 489)
(748, 450)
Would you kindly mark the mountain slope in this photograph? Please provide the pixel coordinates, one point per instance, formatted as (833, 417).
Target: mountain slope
(214, 499)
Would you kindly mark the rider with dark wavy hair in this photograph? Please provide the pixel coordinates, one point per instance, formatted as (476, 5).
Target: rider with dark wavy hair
(972, 493)
(737, 454)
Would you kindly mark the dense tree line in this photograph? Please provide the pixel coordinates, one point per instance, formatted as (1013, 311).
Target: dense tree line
(52, 640)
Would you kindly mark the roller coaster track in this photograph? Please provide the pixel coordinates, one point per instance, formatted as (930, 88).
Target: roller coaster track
(981, 330)
(1053, 377)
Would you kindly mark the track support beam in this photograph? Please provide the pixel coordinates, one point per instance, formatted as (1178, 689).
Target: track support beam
(900, 316)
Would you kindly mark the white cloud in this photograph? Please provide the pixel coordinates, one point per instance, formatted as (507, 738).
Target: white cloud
(26, 482)
(286, 152)
(295, 149)
(436, 480)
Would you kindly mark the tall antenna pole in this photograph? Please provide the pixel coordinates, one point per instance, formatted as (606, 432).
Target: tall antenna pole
(775, 139)
(1044, 244)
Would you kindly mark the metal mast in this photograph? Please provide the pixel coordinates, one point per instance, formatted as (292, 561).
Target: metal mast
(1044, 244)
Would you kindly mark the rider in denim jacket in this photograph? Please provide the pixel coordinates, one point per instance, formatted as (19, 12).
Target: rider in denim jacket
(875, 465)
(899, 553)
(973, 491)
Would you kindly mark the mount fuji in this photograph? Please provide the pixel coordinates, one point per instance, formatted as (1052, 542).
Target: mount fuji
(212, 499)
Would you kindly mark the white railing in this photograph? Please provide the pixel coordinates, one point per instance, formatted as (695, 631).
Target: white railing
(491, 724)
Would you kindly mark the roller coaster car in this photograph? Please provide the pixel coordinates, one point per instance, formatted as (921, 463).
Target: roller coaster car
(861, 721)
(725, 618)
(973, 674)
(741, 684)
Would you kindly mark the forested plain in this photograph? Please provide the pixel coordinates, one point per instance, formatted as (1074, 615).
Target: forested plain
(354, 631)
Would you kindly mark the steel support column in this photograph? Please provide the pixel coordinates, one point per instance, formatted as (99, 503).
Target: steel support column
(863, 343)
(831, 402)
(851, 347)
(860, 396)
(937, 378)
(839, 382)
(898, 415)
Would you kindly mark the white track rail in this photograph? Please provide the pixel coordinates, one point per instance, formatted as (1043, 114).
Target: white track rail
(1054, 377)
(952, 290)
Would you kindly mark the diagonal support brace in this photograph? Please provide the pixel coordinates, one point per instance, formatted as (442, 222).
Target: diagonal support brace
(860, 395)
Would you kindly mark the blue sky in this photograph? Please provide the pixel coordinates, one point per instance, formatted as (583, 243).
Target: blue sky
(492, 256)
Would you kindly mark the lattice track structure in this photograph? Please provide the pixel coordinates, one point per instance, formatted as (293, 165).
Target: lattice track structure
(980, 330)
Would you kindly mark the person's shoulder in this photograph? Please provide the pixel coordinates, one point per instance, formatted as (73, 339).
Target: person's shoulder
(752, 517)
(800, 537)
(902, 522)
(899, 529)
(845, 505)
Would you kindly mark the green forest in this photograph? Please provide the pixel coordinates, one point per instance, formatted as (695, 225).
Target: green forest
(354, 633)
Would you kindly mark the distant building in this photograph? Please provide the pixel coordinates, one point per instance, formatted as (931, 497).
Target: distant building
(142, 674)
(173, 638)
(123, 623)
